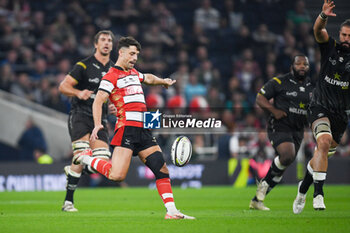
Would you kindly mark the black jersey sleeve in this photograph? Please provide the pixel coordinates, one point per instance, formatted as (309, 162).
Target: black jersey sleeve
(78, 71)
(270, 89)
(326, 47)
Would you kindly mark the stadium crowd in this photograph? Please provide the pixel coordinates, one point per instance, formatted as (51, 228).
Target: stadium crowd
(220, 53)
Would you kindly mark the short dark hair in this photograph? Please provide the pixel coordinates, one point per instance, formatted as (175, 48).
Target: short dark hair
(346, 23)
(128, 41)
(104, 32)
(298, 55)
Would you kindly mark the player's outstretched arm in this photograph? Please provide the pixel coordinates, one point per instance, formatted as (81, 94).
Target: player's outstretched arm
(100, 98)
(67, 88)
(267, 106)
(151, 79)
(320, 32)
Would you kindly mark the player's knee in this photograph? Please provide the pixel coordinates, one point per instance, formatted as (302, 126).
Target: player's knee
(324, 142)
(79, 146)
(156, 163)
(117, 176)
(287, 160)
(164, 169)
(101, 153)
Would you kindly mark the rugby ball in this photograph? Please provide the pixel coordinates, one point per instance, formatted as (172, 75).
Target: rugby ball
(181, 151)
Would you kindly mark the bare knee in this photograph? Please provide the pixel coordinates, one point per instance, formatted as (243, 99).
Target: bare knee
(287, 159)
(164, 169)
(324, 143)
(117, 176)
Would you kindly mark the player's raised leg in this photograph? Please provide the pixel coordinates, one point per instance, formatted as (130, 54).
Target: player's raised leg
(115, 170)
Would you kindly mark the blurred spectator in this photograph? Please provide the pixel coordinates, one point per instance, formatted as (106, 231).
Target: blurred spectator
(145, 9)
(22, 87)
(149, 62)
(231, 17)
(77, 13)
(7, 77)
(85, 47)
(126, 14)
(199, 37)
(133, 30)
(243, 39)
(208, 75)
(104, 22)
(206, 16)
(38, 25)
(193, 88)
(246, 55)
(62, 30)
(299, 14)
(48, 48)
(215, 99)
(42, 93)
(181, 76)
(246, 76)
(55, 100)
(165, 18)
(40, 70)
(158, 39)
(31, 142)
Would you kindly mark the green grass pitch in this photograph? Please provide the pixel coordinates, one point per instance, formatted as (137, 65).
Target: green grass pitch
(218, 209)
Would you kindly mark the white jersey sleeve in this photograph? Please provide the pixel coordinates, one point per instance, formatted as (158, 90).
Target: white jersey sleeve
(106, 85)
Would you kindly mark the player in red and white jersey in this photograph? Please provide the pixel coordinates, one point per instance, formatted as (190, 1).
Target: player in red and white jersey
(126, 94)
(122, 85)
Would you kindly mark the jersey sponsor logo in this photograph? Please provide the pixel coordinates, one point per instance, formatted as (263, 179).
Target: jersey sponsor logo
(127, 81)
(292, 93)
(332, 61)
(94, 80)
(297, 111)
(132, 90)
(97, 66)
(336, 82)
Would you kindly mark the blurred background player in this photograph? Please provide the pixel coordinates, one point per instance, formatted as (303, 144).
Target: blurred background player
(81, 84)
(291, 94)
(329, 106)
(122, 85)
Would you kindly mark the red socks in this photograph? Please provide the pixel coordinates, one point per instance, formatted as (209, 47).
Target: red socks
(101, 166)
(164, 190)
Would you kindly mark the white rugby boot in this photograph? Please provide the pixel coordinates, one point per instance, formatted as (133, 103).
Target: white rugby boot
(178, 215)
(299, 202)
(318, 203)
(68, 206)
(258, 205)
(261, 190)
